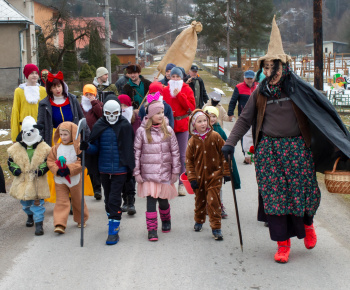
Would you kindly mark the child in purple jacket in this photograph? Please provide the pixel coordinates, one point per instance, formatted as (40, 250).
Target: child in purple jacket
(157, 161)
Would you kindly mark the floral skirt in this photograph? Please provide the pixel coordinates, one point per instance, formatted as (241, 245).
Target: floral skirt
(161, 190)
(286, 177)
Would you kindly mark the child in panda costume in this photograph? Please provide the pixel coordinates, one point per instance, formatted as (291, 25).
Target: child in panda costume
(27, 162)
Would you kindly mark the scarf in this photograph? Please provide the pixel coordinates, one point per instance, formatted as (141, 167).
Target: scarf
(32, 94)
(175, 85)
(276, 89)
(86, 104)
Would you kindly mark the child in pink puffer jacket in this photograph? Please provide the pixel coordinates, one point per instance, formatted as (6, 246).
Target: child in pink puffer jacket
(157, 161)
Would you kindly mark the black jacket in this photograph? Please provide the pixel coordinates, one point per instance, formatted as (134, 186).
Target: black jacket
(120, 83)
(45, 116)
(203, 96)
(131, 92)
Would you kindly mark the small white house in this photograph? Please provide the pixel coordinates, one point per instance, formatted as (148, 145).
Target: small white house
(332, 47)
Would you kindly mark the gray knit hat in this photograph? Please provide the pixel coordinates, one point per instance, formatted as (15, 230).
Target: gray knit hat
(176, 71)
(101, 71)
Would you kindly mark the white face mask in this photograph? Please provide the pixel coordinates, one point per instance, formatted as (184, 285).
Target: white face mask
(127, 113)
(175, 85)
(111, 110)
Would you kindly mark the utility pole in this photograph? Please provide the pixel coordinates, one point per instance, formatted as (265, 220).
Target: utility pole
(318, 46)
(136, 43)
(108, 45)
(144, 43)
(176, 18)
(228, 39)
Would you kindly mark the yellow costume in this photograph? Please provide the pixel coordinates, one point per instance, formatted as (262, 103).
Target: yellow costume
(21, 108)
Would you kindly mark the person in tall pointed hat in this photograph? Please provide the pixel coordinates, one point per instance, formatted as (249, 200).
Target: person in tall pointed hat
(296, 132)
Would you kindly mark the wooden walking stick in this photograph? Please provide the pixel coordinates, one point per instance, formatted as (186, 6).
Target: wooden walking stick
(235, 200)
(81, 128)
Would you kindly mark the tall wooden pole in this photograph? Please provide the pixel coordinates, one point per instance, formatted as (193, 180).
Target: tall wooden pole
(108, 45)
(318, 45)
(228, 39)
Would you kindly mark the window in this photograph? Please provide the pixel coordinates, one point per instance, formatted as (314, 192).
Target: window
(326, 50)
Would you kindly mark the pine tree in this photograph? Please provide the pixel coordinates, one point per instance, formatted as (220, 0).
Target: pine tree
(157, 6)
(114, 62)
(70, 61)
(96, 55)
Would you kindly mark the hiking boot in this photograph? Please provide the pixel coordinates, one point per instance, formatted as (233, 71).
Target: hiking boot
(152, 225)
(166, 219)
(217, 235)
(152, 236)
(113, 230)
(98, 195)
(131, 209)
(60, 229)
(30, 221)
(124, 207)
(282, 254)
(223, 212)
(310, 239)
(198, 227)
(39, 231)
(181, 190)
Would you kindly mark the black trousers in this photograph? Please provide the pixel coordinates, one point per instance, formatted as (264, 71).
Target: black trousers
(112, 187)
(129, 191)
(152, 204)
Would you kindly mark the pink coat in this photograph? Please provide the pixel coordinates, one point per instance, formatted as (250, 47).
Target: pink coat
(158, 160)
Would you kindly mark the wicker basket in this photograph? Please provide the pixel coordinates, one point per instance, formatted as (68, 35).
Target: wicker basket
(337, 181)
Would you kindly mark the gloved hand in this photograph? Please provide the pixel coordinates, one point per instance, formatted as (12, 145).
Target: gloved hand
(38, 173)
(228, 150)
(84, 145)
(17, 172)
(139, 179)
(63, 172)
(174, 178)
(227, 179)
(194, 184)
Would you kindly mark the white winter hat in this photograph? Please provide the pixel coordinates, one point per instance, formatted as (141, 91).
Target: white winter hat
(101, 71)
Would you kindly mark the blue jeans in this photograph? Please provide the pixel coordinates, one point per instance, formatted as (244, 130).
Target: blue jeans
(37, 211)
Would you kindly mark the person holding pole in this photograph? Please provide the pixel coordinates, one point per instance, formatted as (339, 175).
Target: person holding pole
(181, 99)
(296, 132)
(65, 165)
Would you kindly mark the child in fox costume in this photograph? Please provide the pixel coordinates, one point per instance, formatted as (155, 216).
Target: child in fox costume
(67, 147)
(205, 168)
(27, 162)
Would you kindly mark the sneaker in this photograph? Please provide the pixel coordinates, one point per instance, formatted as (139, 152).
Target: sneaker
(124, 207)
(60, 229)
(198, 227)
(217, 235)
(282, 254)
(310, 239)
(131, 210)
(181, 190)
(79, 225)
(30, 221)
(152, 236)
(223, 212)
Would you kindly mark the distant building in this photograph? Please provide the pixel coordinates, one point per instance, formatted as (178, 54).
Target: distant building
(332, 47)
(125, 53)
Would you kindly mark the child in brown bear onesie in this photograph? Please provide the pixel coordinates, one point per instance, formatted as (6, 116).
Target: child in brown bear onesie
(205, 168)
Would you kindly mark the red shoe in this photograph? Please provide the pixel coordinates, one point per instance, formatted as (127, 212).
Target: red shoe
(283, 251)
(310, 239)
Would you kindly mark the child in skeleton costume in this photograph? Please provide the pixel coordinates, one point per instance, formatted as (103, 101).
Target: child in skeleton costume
(129, 191)
(66, 167)
(27, 162)
(158, 166)
(296, 132)
(92, 110)
(26, 99)
(112, 138)
(206, 168)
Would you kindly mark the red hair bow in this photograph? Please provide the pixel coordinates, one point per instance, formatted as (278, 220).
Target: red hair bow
(51, 77)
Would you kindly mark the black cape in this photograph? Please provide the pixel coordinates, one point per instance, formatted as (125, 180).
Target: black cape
(125, 136)
(328, 133)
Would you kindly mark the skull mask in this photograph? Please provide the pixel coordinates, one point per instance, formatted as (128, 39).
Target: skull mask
(111, 111)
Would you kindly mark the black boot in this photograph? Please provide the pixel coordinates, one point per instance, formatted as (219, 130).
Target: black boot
(131, 207)
(39, 231)
(98, 195)
(30, 221)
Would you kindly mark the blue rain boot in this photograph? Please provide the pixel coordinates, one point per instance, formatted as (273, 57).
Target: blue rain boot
(113, 231)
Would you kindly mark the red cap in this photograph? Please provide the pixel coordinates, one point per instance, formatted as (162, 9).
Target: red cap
(156, 87)
(125, 99)
(29, 68)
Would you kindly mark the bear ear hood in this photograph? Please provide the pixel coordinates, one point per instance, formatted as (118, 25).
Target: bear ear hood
(72, 128)
(29, 135)
(193, 118)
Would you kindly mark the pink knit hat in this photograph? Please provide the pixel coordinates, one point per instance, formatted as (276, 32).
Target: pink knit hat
(154, 108)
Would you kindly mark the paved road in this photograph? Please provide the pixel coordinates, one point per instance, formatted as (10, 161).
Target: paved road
(181, 259)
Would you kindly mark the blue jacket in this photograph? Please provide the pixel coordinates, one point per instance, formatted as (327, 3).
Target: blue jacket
(107, 148)
(168, 112)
